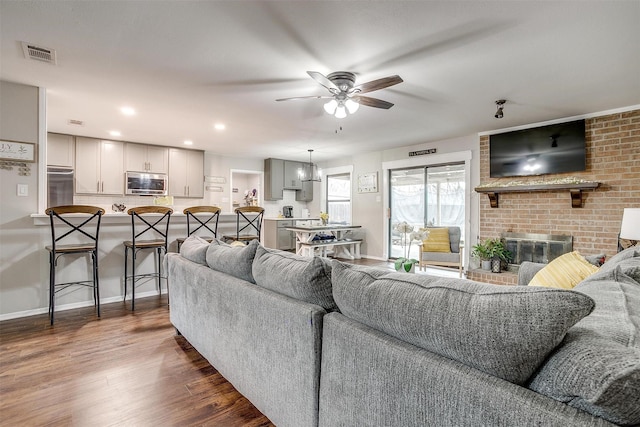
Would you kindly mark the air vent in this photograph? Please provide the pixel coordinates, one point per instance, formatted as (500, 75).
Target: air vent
(39, 53)
(75, 122)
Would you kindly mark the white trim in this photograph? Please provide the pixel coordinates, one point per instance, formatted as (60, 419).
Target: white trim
(438, 159)
(42, 149)
(71, 306)
(565, 119)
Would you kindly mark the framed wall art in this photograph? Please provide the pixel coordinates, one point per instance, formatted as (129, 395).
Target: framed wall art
(368, 182)
(18, 151)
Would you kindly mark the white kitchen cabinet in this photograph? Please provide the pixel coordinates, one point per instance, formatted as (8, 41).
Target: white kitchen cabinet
(186, 173)
(146, 158)
(99, 166)
(60, 150)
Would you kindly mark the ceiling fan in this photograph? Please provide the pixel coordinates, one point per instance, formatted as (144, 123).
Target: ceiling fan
(345, 95)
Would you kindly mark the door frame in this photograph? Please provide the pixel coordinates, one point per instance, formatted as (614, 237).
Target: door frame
(426, 161)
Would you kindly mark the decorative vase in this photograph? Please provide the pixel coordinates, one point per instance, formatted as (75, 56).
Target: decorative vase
(486, 264)
(403, 269)
(496, 265)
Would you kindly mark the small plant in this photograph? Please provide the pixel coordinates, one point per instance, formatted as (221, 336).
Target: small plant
(407, 236)
(499, 250)
(324, 217)
(491, 249)
(482, 251)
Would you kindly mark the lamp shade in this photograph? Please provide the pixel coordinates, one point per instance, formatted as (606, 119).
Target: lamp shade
(630, 228)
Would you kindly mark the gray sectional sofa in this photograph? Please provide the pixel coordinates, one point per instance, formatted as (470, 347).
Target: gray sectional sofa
(317, 343)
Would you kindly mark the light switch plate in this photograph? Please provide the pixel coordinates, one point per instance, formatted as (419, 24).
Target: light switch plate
(23, 190)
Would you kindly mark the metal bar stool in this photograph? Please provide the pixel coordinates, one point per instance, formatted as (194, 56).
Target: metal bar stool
(152, 223)
(195, 217)
(251, 225)
(69, 223)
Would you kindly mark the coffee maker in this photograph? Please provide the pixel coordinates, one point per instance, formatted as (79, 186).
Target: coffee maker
(287, 211)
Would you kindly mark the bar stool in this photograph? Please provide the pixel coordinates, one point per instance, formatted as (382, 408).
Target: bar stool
(64, 226)
(205, 222)
(247, 227)
(152, 223)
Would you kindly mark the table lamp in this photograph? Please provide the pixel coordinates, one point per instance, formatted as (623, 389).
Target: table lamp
(630, 228)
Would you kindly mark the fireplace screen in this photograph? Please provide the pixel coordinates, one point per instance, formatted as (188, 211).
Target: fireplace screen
(537, 247)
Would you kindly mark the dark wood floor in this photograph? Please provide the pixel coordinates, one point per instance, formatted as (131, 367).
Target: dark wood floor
(126, 369)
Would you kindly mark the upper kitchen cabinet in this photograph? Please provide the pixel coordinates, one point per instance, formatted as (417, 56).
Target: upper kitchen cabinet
(186, 173)
(306, 194)
(292, 175)
(146, 158)
(99, 166)
(60, 150)
(273, 179)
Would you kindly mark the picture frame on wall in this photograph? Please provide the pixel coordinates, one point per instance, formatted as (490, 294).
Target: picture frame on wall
(18, 151)
(368, 182)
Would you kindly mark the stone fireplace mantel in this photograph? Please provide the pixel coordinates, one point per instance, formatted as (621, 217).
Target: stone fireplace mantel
(575, 189)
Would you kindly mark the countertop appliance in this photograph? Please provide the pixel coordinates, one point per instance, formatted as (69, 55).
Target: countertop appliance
(59, 186)
(146, 184)
(287, 211)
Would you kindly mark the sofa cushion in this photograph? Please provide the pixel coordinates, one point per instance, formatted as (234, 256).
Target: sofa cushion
(194, 249)
(235, 261)
(303, 278)
(506, 331)
(611, 263)
(597, 368)
(564, 272)
(437, 241)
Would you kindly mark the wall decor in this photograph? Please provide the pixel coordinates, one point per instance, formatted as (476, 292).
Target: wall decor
(215, 179)
(18, 151)
(368, 182)
(422, 152)
(214, 188)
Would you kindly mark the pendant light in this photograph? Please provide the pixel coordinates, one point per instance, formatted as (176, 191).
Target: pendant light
(310, 171)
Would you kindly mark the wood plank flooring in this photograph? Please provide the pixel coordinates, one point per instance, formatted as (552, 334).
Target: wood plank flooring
(125, 369)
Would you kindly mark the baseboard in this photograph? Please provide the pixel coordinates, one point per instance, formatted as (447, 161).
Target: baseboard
(71, 306)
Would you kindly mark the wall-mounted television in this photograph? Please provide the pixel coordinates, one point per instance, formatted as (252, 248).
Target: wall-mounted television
(556, 148)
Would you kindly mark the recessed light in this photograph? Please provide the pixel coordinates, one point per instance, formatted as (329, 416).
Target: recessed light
(219, 126)
(115, 133)
(128, 111)
(188, 142)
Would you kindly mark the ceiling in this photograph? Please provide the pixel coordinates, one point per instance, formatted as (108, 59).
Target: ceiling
(187, 65)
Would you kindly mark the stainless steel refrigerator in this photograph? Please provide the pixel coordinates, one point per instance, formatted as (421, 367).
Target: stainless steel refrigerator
(59, 186)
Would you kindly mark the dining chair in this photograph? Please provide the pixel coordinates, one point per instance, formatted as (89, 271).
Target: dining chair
(149, 231)
(74, 231)
(248, 226)
(204, 219)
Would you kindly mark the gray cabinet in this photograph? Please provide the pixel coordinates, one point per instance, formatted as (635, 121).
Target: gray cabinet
(306, 193)
(277, 236)
(292, 175)
(273, 179)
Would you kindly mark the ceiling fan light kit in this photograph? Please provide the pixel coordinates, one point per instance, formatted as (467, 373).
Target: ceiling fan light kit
(345, 97)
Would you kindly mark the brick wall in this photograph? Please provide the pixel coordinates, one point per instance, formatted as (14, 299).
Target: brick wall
(613, 159)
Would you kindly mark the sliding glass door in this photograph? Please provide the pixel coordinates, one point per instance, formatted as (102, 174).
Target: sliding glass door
(425, 196)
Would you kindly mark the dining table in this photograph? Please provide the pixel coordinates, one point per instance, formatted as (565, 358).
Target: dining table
(315, 239)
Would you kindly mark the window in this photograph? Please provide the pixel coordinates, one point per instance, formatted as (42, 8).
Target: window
(339, 198)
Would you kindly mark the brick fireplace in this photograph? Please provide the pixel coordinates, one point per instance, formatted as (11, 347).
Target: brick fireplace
(613, 160)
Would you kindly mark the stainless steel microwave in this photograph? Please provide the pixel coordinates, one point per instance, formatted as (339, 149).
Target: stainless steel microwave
(146, 184)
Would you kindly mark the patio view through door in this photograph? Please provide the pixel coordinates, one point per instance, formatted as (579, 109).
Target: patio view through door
(425, 196)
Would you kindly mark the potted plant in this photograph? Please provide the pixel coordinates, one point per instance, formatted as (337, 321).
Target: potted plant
(482, 251)
(406, 264)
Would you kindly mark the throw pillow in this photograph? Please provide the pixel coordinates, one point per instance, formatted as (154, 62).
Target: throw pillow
(303, 278)
(438, 240)
(505, 331)
(564, 272)
(194, 249)
(597, 368)
(235, 261)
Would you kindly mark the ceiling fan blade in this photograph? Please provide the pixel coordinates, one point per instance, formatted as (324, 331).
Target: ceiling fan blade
(306, 97)
(323, 80)
(378, 84)
(372, 102)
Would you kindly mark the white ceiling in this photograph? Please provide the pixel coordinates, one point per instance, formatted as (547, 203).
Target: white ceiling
(186, 65)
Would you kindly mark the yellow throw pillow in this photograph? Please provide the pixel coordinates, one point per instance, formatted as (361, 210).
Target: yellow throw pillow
(564, 272)
(438, 240)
